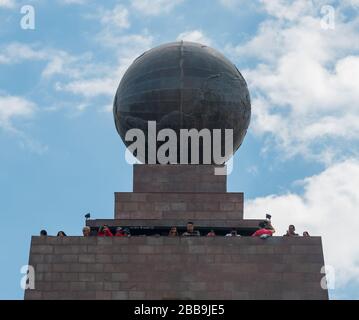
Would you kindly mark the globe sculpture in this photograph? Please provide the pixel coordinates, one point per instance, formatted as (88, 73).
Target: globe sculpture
(182, 85)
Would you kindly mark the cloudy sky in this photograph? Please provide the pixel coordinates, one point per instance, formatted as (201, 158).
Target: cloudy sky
(61, 156)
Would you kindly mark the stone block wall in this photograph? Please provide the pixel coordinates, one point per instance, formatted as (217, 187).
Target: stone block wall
(177, 178)
(176, 268)
(178, 205)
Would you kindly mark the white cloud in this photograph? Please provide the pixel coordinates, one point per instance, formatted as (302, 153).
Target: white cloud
(7, 3)
(60, 62)
(12, 107)
(106, 109)
(327, 208)
(16, 52)
(90, 88)
(77, 70)
(124, 44)
(127, 47)
(55, 66)
(290, 10)
(57, 61)
(155, 7)
(352, 3)
(303, 87)
(194, 36)
(81, 75)
(118, 17)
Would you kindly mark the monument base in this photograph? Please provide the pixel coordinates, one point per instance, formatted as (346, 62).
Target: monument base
(177, 268)
(156, 266)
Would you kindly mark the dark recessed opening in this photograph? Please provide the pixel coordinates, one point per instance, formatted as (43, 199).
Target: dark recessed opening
(163, 231)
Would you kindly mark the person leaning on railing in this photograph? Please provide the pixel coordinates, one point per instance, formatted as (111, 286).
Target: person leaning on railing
(190, 232)
(104, 232)
(265, 230)
(291, 232)
(86, 231)
(173, 232)
(269, 226)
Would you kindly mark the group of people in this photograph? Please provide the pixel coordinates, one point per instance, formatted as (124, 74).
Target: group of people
(265, 230)
(43, 233)
(191, 232)
(104, 231)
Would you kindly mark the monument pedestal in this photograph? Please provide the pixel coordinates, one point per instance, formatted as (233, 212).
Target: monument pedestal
(171, 195)
(162, 267)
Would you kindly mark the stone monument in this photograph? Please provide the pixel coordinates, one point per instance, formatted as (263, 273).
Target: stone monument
(177, 86)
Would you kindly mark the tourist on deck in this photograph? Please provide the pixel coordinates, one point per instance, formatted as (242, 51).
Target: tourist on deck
(173, 232)
(268, 223)
(43, 233)
(104, 232)
(291, 232)
(306, 234)
(86, 231)
(61, 234)
(263, 231)
(190, 231)
(233, 233)
(211, 234)
(120, 232)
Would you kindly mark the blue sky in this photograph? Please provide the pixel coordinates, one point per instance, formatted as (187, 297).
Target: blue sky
(61, 156)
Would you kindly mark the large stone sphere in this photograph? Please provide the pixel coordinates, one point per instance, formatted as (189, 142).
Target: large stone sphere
(183, 85)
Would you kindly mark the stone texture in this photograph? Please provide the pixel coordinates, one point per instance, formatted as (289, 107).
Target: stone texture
(177, 178)
(178, 268)
(178, 205)
(150, 267)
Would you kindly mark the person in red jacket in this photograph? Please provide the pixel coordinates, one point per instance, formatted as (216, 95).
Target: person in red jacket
(265, 229)
(105, 232)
